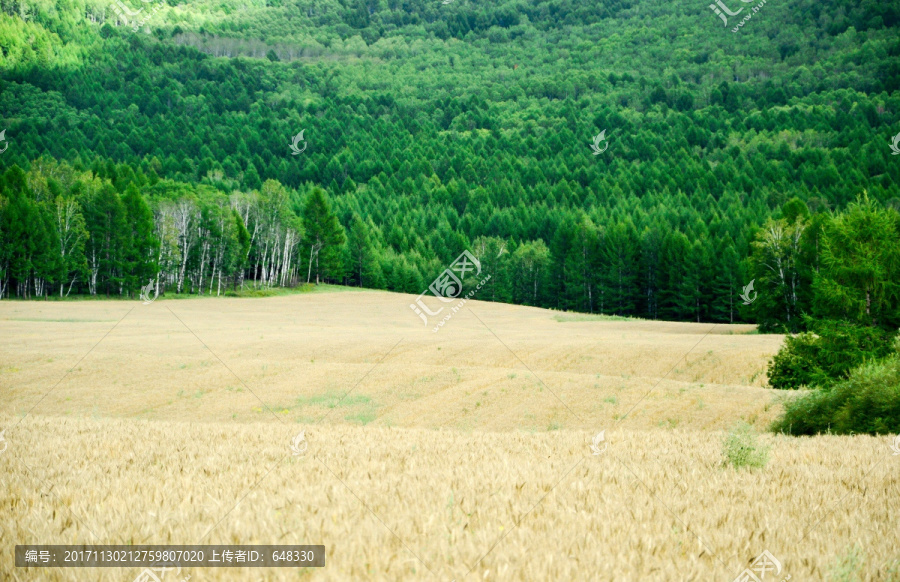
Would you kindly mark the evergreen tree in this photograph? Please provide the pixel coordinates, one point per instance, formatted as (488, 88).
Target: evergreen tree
(324, 238)
(364, 266)
(236, 259)
(105, 216)
(860, 276)
(141, 247)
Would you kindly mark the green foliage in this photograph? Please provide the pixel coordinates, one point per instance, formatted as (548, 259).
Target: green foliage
(796, 363)
(442, 126)
(530, 262)
(780, 272)
(142, 248)
(840, 266)
(868, 401)
(365, 271)
(853, 260)
(325, 237)
(827, 353)
(26, 43)
(860, 277)
(741, 448)
(72, 233)
(237, 258)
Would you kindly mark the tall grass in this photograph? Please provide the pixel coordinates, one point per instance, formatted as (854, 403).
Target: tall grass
(743, 449)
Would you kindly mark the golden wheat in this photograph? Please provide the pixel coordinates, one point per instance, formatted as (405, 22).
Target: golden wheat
(463, 454)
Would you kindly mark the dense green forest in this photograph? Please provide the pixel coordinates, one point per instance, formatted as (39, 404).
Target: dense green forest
(158, 147)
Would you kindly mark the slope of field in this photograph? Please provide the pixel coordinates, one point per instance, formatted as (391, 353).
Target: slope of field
(492, 367)
(462, 454)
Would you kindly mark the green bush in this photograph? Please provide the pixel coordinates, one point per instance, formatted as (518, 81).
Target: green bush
(795, 364)
(742, 448)
(827, 354)
(866, 402)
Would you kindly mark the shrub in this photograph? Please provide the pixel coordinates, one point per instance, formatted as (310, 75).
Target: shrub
(866, 402)
(795, 364)
(827, 354)
(742, 448)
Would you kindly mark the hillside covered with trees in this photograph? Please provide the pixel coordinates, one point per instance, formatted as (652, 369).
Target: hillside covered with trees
(160, 149)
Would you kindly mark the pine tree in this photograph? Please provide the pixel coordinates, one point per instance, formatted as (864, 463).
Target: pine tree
(725, 285)
(362, 254)
(619, 250)
(105, 217)
(142, 248)
(237, 258)
(324, 237)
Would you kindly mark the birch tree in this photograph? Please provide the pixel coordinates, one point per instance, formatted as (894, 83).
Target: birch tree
(776, 251)
(72, 234)
(185, 219)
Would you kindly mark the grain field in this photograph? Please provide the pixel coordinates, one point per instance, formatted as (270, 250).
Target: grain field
(458, 455)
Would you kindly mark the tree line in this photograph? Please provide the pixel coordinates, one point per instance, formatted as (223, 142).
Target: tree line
(65, 230)
(435, 128)
(108, 230)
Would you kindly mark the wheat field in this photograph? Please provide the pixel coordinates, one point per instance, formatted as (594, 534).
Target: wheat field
(458, 455)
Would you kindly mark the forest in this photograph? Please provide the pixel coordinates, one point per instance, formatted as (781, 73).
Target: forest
(161, 152)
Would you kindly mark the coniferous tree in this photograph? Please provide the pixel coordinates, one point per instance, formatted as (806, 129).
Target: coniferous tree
(237, 257)
(363, 261)
(106, 220)
(324, 238)
(860, 276)
(139, 261)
